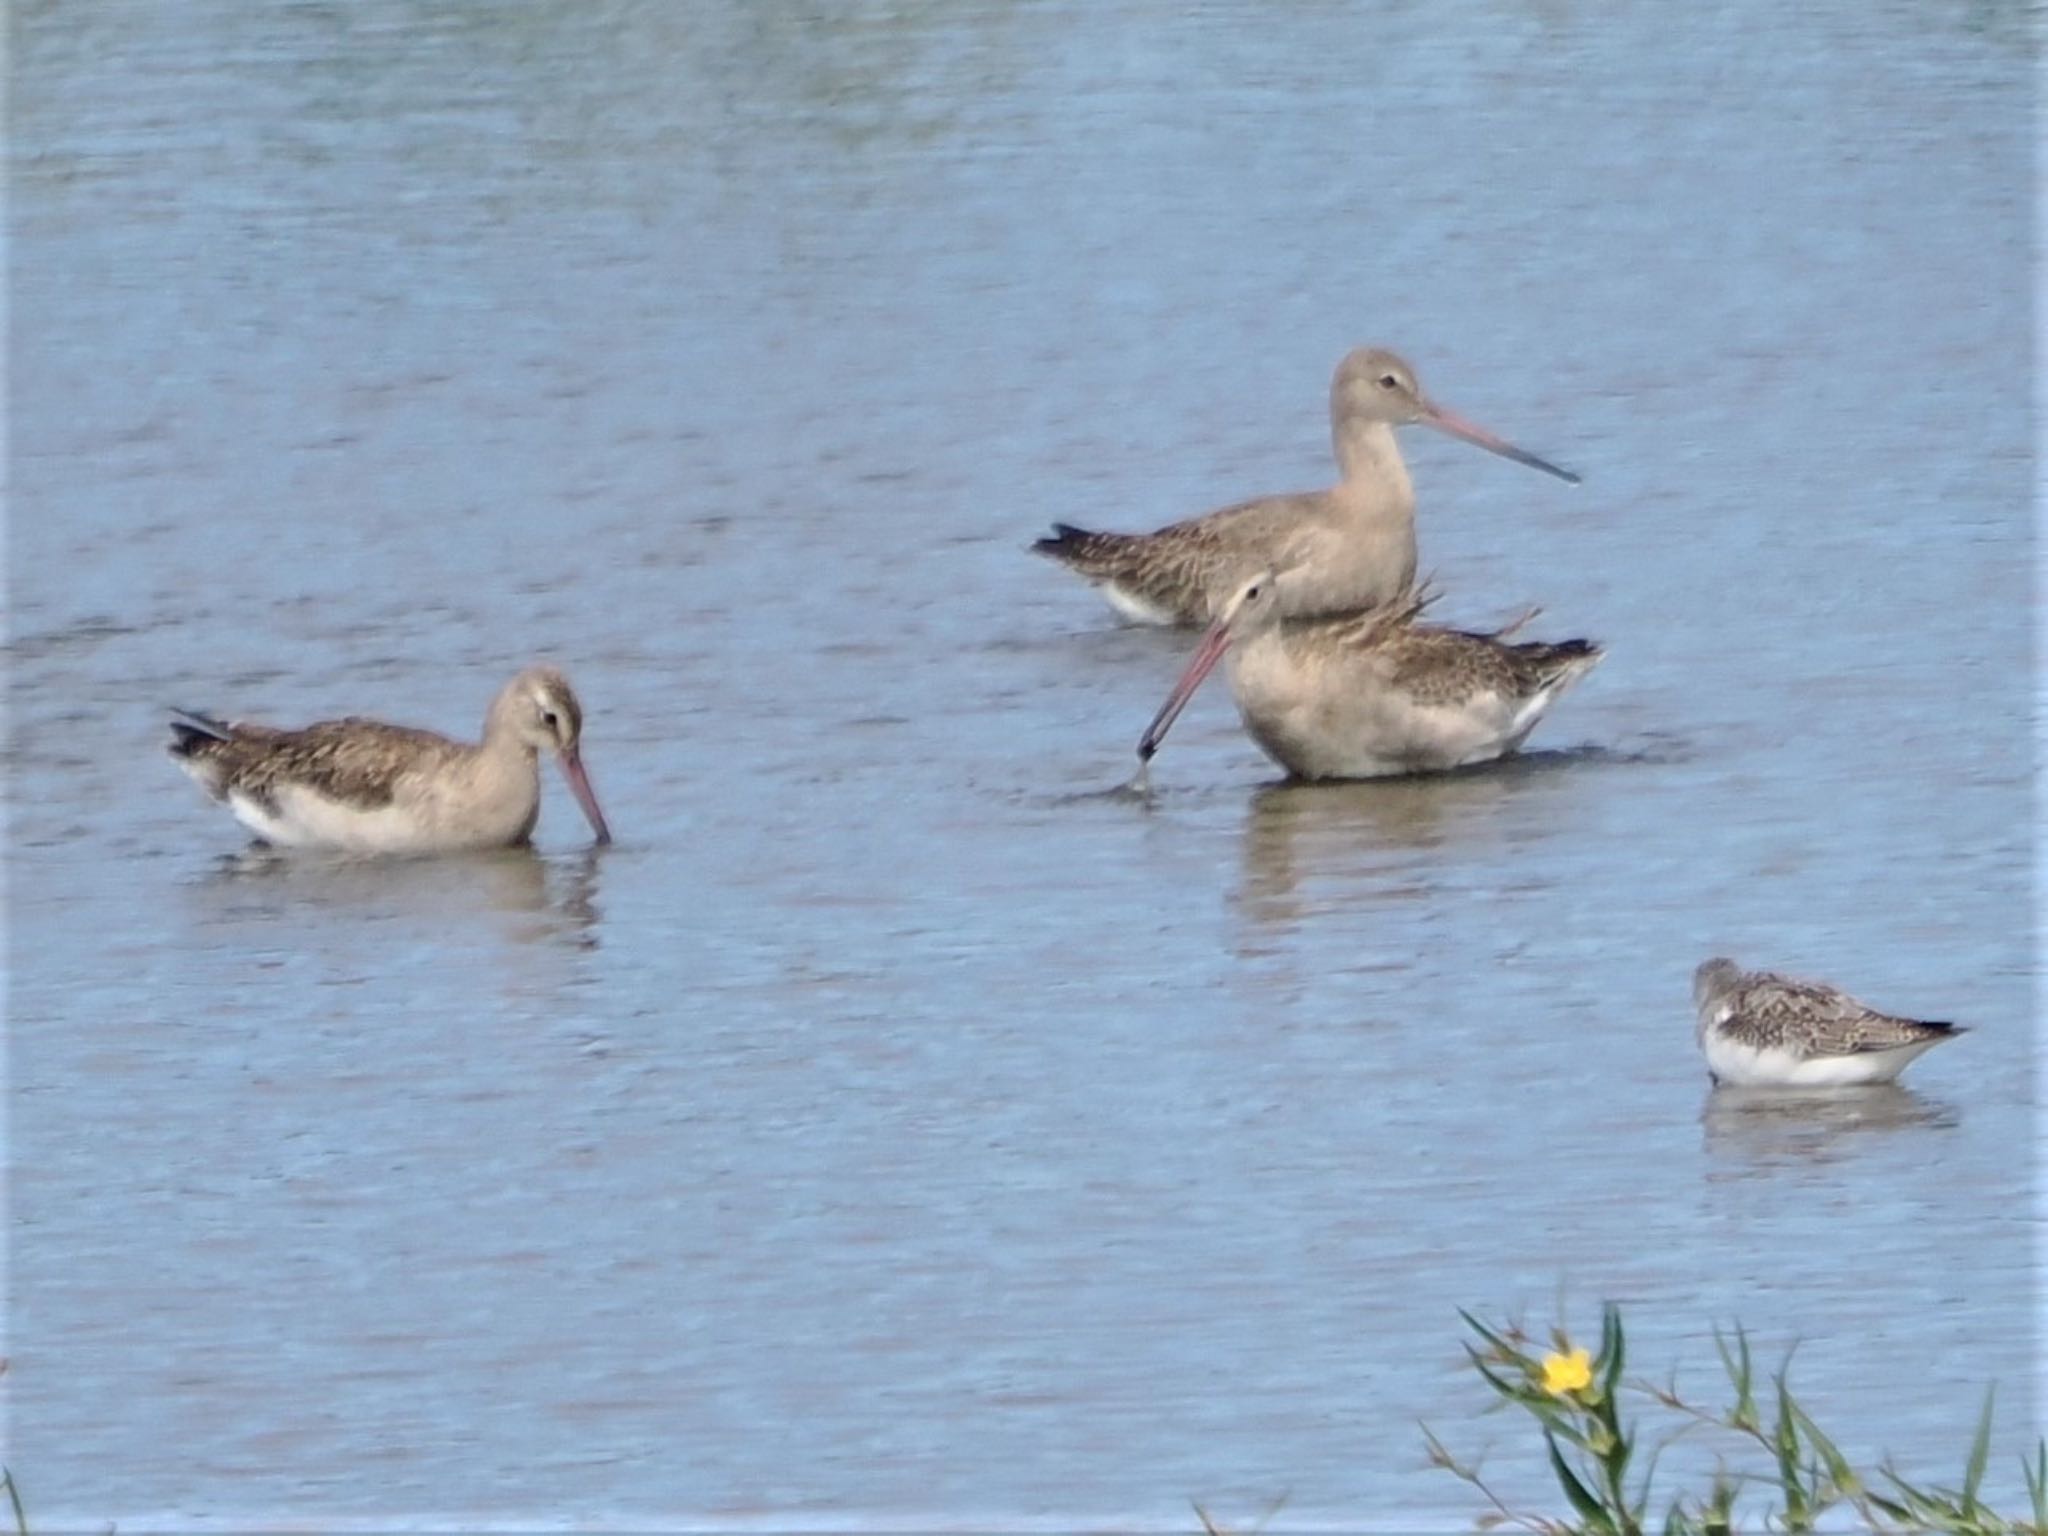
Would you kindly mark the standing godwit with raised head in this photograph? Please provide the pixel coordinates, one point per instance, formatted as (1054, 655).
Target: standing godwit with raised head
(1760, 1029)
(1357, 538)
(1373, 694)
(361, 786)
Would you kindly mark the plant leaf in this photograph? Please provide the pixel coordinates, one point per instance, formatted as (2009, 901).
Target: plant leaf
(1487, 1334)
(1785, 1446)
(1919, 1503)
(1840, 1473)
(1613, 1349)
(1514, 1392)
(1889, 1507)
(1980, 1453)
(1582, 1500)
(1741, 1376)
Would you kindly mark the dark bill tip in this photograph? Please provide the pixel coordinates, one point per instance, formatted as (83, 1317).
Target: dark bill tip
(1457, 426)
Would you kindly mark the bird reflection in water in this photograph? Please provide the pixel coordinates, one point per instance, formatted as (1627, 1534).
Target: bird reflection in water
(574, 895)
(1766, 1127)
(1362, 834)
(548, 899)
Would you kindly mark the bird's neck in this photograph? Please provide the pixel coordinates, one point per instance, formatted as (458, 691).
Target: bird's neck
(503, 744)
(1369, 459)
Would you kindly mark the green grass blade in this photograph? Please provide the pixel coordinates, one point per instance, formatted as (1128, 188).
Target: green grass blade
(1613, 1349)
(1727, 1360)
(1487, 1333)
(1741, 1376)
(1980, 1455)
(1718, 1519)
(1840, 1473)
(1514, 1392)
(1890, 1508)
(1785, 1446)
(1920, 1504)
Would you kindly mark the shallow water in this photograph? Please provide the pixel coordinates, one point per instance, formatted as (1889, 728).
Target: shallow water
(902, 1123)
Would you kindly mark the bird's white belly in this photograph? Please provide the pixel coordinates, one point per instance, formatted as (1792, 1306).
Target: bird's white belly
(305, 818)
(1746, 1066)
(1367, 734)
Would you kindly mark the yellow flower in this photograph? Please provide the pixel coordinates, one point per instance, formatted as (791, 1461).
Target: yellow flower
(1567, 1373)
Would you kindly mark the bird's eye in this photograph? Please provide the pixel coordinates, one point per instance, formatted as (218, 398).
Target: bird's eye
(1388, 381)
(551, 720)
(1251, 595)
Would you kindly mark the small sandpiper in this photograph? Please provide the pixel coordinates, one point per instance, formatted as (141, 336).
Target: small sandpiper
(361, 786)
(1760, 1029)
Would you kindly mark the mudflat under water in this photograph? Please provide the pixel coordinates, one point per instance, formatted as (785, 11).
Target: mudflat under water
(899, 1124)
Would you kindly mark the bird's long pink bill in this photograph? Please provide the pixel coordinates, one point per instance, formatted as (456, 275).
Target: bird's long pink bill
(1199, 666)
(1457, 426)
(586, 797)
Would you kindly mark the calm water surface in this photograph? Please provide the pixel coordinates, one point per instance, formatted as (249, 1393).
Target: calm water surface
(898, 1125)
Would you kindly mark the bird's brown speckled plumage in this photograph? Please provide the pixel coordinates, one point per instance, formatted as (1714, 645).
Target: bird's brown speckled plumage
(353, 760)
(363, 785)
(1768, 1011)
(1178, 569)
(1433, 664)
(1353, 545)
(1372, 694)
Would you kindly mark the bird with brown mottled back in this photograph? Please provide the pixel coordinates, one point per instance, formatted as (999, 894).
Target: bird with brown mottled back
(1354, 542)
(361, 786)
(1763, 1029)
(1374, 694)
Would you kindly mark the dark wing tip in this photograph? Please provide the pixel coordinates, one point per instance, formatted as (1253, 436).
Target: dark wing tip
(190, 729)
(1064, 539)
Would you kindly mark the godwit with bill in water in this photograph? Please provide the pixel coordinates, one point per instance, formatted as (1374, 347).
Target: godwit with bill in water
(1356, 538)
(361, 786)
(1373, 694)
(1760, 1029)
